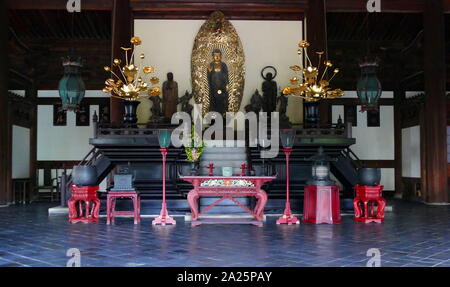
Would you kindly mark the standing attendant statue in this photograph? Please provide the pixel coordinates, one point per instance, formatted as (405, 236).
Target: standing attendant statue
(269, 89)
(284, 119)
(169, 96)
(218, 81)
(256, 103)
(155, 109)
(184, 101)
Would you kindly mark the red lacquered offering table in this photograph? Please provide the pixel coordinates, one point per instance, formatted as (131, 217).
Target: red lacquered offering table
(321, 204)
(227, 188)
(88, 196)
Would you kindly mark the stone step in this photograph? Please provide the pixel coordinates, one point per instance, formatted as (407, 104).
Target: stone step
(225, 144)
(224, 156)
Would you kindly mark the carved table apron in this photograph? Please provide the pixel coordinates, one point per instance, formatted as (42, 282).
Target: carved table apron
(227, 188)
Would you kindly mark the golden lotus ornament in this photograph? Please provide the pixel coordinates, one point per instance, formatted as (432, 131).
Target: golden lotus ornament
(217, 33)
(131, 81)
(312, 83)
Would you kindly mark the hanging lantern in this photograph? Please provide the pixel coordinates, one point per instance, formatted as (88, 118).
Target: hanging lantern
(71, 86)
(368, 86)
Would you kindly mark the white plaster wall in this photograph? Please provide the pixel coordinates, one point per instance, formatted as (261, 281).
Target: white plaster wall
(68, 142)
(411, 152)
(18, 92)
(373, 143)
(20, 152)
(388, 178)
(168, 46)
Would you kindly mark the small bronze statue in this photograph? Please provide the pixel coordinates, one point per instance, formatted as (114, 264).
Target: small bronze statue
(256, 103)
(284, 119)
(340, 124)
(155, 109)
(184, 101)
(169, 96)
(269, 90)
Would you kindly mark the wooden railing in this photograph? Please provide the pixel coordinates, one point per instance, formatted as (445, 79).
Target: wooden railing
(148, 129)
(323, 131)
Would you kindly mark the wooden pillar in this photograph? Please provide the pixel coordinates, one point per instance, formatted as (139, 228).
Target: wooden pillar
(316, 35)
(399, 96)
(31, 95)
(5, 136)
(122, 31)
(435, 121)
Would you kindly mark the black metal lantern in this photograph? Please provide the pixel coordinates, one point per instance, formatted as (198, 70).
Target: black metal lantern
(368, 86)
(71, 86)
(320, 169)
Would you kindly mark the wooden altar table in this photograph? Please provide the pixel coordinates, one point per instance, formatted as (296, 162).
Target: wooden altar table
(227, 188)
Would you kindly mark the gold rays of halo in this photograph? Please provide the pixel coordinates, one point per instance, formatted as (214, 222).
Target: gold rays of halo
(309, 84)
(130, 81)
(218, 33)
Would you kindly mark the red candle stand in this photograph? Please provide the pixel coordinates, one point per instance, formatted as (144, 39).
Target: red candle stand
(364, 204)
(86, 195)
(287, 217)
(321, 204)
(210, 166)
(164, 217)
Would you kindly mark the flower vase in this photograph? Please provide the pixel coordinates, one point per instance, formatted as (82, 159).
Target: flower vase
(195, 168)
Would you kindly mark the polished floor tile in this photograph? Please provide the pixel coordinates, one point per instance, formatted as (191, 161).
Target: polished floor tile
(412, 235)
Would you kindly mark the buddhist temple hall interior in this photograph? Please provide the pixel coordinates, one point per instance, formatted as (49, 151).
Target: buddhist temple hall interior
(178, 133)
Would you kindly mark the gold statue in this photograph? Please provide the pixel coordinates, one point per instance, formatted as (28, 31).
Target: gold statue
(218, 84)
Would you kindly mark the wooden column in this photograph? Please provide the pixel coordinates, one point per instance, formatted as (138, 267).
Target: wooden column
(399, 96)
(316, 35)
(435, 121)
(122, 31)
(31, 94)
(5, 136)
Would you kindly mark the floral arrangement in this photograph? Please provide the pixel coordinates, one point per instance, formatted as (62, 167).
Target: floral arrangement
(195, 149)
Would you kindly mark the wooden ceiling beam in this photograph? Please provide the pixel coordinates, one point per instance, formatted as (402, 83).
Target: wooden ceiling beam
(99, 5)
(235, 5)
(280, 6)
(390, 6)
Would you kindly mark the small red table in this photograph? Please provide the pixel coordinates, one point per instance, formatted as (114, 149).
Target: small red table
(86, 195)
(227, 188)
(111, 205)
(321, 204)
(364, 204)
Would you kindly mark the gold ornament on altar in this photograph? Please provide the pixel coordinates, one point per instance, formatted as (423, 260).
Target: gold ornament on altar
(131, 81)
(307, 84)
(217, 36)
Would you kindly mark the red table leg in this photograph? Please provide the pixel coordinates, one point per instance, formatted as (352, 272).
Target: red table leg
(193, 203)
(261, 195)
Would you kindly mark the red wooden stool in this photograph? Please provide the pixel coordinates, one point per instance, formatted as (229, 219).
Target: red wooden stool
(321, 204)
(364, 203)
(111, 205)
(86, 195)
